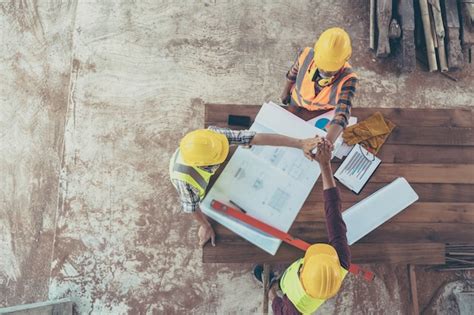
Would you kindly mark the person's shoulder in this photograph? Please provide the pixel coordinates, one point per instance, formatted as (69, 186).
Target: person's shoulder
(304, 50)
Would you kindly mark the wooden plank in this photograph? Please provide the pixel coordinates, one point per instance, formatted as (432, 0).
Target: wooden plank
(390, 232)
(395, 253)
(467, 26)
(384, 15)
(427, 192)
(421, 173)
(394, 232)
(455, 55)
(217, 113)
(407, 55)
(266, 285)
(441, 136)
(62, 307)
(440, 34)
(413, 290)
(419, 212)
(427, 24)
(425, 173)
(415, 154)
(372, 15)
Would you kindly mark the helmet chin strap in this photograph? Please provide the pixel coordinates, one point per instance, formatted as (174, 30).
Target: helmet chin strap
(325, 80)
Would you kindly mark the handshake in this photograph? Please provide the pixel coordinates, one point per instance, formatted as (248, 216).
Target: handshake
(324, 149)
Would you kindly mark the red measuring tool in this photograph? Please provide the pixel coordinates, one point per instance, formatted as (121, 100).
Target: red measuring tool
(285, 237)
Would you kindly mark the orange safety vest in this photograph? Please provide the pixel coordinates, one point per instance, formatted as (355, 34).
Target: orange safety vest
(303, 92)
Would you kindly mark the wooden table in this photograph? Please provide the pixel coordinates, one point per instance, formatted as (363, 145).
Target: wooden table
(432, 148)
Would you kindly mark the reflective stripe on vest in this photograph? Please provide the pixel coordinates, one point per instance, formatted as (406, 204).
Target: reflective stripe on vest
(194, 176)
(290, 285)
(303, 93)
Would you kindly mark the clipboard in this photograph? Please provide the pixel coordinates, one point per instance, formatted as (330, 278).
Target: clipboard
(357, 169)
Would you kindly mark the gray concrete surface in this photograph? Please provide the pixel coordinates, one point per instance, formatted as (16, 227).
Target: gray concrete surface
(94, 97)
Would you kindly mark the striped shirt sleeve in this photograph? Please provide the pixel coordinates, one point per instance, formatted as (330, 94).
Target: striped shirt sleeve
(239, 137)
(188, 196)
(293, 72)
(344, 105)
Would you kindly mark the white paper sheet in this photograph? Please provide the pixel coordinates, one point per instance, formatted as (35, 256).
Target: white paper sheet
(270, 183)
(373, 211)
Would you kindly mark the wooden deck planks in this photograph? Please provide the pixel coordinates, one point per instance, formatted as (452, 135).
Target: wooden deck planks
(389, 232)
(217, 113)
(419, 212)
(394, 253)
(432, 148)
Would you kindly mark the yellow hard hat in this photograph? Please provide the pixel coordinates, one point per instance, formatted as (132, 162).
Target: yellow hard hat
(321, 274)
(204, 147)
(332, 49)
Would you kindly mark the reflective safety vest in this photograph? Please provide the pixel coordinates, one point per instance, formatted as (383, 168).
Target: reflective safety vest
(303, 92)
(192, 175)
(291, 285)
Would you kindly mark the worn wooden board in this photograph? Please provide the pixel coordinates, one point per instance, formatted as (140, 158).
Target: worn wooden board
(426, 192)
(454, 50)
(419, 212)
(432, 148)
(407, 54)
(384, 16)
(389, 232)
(426, 117)
(426, 154)
(394, 253)
(425, 173)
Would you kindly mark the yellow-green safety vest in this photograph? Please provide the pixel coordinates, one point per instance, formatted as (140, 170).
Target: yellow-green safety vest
(192, 175)
(291, 285)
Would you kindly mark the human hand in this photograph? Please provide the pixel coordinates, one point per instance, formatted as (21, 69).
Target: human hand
(323, 155)
(206, 233)
(285, 98)
(272, 292)
(308, 145)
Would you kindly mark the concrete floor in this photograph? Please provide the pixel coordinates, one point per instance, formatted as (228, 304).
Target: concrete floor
(93, 100)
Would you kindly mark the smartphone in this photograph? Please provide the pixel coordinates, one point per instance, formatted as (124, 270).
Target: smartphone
(236, 120)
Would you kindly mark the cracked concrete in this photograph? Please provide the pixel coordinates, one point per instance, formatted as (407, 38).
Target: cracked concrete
(94, 98)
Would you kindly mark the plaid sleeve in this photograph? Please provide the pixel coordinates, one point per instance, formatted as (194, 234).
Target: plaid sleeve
(188, 196)
(293, 72)
(240, 137)
(344, 106)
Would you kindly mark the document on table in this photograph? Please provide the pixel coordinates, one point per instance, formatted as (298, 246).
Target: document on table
(270, 183)
(357, 168)
(366, 215)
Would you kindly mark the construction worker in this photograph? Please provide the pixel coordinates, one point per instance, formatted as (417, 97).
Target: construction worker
(316, 277)
(322, 79)
(202, 151)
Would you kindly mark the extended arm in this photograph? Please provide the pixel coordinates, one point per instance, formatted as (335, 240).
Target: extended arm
(307, 145)
(343, 110)
(335, 225)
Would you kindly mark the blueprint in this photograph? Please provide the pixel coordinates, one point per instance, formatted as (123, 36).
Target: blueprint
(270, 183)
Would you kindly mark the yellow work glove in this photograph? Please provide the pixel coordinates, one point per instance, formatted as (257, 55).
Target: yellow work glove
(371, 127)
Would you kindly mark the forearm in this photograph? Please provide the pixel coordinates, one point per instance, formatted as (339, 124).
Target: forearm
(200, 217)
(335, 225)
(333, 132)
(276, 140)
(287, 88)
(326, 174)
